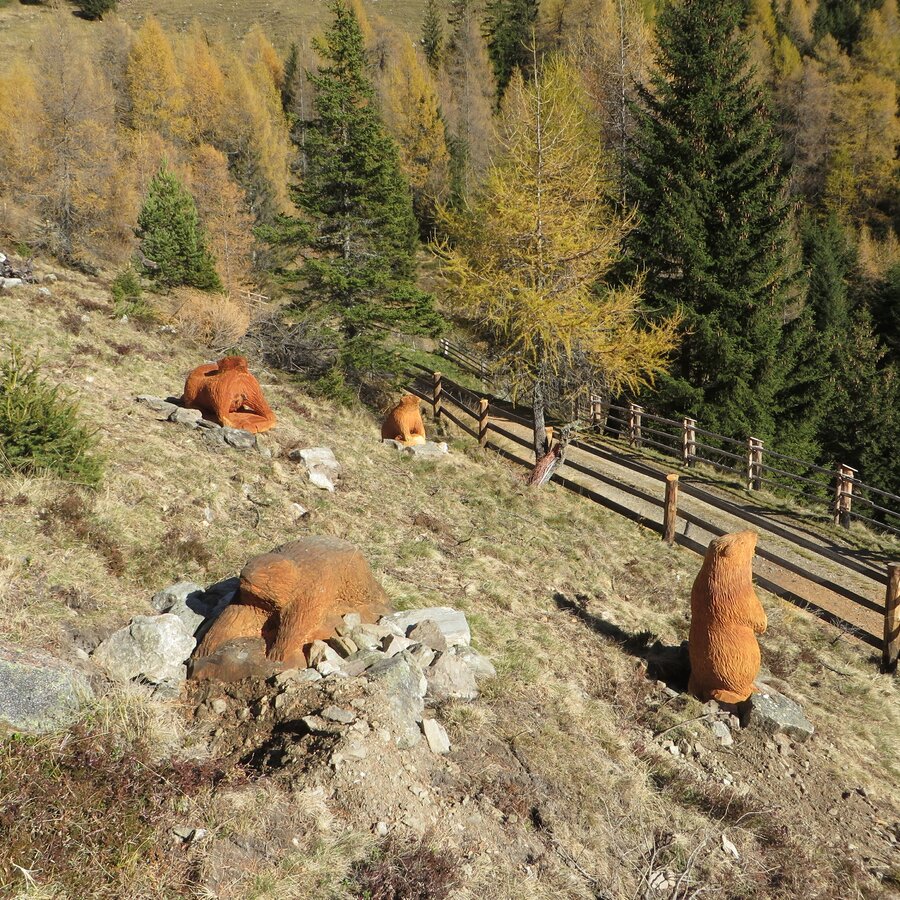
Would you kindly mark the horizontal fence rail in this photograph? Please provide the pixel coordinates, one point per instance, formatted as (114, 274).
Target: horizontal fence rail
(481, 418)
(837, 491)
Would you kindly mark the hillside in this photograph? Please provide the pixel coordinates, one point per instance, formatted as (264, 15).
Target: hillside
(573, 775)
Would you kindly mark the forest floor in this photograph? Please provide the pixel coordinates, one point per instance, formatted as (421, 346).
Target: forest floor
(574, 775)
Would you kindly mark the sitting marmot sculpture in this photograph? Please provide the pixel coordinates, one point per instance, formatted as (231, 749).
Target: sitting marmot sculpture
(726, 616)
(229, 394)
(404, 422)
(295, 595)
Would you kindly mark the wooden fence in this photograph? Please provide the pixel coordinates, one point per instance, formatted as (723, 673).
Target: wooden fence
(839, 490)
(479, 417)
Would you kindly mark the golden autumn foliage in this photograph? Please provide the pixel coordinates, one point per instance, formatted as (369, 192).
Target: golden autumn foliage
(530, 259)
(204, 83)
(222, 206)
(258, 51)
(413, 115)
(155, 86)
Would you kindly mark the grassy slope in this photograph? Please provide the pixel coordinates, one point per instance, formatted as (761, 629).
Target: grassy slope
(283, 21)
(571, 703)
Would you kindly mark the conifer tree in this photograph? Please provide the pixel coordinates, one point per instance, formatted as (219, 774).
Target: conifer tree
(531, 259)
(714, 220)
(509, 28)
(173, 242)
(359, 206)
(433, 35)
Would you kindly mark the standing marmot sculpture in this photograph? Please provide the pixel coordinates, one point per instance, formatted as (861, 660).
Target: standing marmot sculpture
(230, 394)
(726, 616)
(404, 422)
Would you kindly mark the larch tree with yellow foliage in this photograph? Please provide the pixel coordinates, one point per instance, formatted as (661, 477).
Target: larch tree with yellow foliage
(155, 87)
(204, 82)
(413, 116)
(530, 259)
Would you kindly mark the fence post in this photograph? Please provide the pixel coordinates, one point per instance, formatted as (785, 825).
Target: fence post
(634, 424)
(688, 441)
(754, 464)
(437, 389)
(483, 406)
(891, 648)
(445, 347)
(596, 410)
(843, 495)
(670, 510)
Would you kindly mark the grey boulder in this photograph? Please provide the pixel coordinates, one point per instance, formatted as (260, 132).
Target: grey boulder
(449, 678)
(38, 693)
(150, 649)
(774, 713)
(451, 622)
(402, 684)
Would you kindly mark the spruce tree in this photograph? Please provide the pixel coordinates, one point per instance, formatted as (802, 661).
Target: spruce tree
(173, 242)
(433, 35)
(364, 233)
(509, 31)
(713, 231)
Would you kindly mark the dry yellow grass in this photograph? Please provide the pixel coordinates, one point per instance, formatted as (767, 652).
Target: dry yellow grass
(614, 806)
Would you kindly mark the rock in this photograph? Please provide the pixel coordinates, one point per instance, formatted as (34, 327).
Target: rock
(336, 714)
(184, 600)
(44, 292)
(319, 652)
(38, 693)
(322, 467)
(219, 706)
(393, 645)
(480, 665)
(240, 440)
(423, 655)
(297, 511)
(360, 662)
(721, 733)
(774, 713)
(352, 620)
(297, 676)
(50, 278)
(182, 416)
(157, 404)
(344, 646)
(428, 450)
(7, 283)
(451, 622)
(326, 668)
(150, 648)
(449, 678)
(429, 633)
(436, 735)
(402, 684)
(234, 661)
(364, 640)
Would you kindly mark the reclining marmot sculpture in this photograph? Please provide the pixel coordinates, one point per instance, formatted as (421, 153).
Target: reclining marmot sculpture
(229, 394)
(295, 595)
(726, 616)
(403, 422)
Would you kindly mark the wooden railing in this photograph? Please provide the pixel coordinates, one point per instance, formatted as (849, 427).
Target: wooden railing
(839, 490)
(479, 417)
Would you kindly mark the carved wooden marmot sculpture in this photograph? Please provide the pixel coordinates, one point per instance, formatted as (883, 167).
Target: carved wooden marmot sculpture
(404, 422)
(228, 393)
(295, 595)
(726, 616)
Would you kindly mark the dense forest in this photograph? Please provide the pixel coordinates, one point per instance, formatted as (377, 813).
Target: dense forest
(695, 203)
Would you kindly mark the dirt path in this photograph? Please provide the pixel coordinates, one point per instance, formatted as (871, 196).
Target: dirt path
(853, 600)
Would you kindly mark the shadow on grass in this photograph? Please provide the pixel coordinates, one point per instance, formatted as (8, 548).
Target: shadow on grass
(669, 664)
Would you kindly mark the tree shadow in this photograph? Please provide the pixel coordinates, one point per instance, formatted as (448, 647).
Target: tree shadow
(669, 664)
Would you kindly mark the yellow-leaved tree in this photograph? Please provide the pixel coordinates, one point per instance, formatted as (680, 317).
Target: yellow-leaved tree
(204, 82)
(155, 87)
(529, 260)
(413, 115)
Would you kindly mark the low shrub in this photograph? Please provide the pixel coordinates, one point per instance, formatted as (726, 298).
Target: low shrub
(95, 9)
(40, 426)
(212, 320)
(407, 871)
(128, 296)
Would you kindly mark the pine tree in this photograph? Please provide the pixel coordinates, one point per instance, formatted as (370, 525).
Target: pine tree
(173, 242)
(95, 9)
(360, 207)
(509, 28)
(714, 220)
(531, 260)
(433, 35)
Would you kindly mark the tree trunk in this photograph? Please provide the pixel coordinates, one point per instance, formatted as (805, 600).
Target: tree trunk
(547, 464)
(541, 444)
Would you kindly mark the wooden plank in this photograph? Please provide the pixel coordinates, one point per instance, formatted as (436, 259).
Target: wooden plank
(891, 644)
(670, 510)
